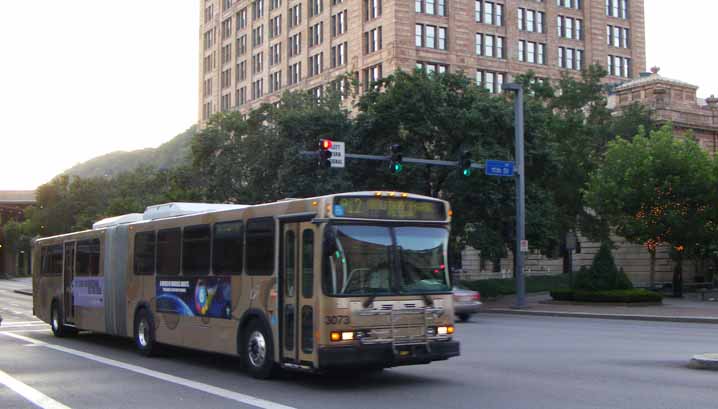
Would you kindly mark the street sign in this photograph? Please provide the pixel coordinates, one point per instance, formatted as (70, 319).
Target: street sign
(499, 168)
(338, 154)
(524, 246)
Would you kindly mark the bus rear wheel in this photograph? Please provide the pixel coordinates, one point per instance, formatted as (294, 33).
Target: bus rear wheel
(57, 322)
(257, 353)
(145, 333)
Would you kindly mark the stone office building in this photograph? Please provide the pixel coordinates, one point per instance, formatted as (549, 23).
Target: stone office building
(253, 50)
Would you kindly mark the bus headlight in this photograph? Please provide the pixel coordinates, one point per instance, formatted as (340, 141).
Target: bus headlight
(445, 330)
(336, 336)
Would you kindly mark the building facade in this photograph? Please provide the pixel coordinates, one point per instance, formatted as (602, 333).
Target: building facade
(253, 50)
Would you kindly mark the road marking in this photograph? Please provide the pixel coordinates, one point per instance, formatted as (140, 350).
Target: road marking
(22, 325)
(202, 387)
(33, 395)
(25, 330)
(22, 322)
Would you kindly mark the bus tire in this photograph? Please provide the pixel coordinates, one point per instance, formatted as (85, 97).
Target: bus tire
(145, 340)
(257, 352)
(57, 322)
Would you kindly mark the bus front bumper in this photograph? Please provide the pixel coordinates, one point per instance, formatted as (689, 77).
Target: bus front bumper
(386, 355)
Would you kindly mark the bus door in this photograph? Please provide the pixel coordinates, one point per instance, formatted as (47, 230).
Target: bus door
(299, 299)
(68, 275)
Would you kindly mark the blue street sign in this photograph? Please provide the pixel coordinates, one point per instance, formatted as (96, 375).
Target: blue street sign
(499, 168)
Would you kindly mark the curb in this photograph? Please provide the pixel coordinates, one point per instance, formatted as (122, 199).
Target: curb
(23, 292)
(659, 318)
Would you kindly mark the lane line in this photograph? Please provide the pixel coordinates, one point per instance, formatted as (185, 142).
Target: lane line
(22, 322)
(22, 325)
(26, 330)
(33, 395)
(202, 387)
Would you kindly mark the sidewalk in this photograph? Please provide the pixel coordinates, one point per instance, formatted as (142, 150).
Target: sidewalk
(687, 309)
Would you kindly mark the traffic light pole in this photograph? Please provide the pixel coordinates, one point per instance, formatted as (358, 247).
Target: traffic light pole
(520, 192)
(419, 161)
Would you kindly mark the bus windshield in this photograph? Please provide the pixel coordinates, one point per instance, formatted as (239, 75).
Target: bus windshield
(382, 260)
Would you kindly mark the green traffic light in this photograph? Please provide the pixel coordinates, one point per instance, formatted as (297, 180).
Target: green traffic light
(467, 172)
(398, 167)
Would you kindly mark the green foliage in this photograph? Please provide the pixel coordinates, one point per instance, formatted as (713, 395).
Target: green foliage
(534, 284)
(603, 274)
(612, 296)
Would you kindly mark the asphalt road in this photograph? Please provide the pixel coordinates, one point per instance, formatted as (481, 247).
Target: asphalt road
(507, 362)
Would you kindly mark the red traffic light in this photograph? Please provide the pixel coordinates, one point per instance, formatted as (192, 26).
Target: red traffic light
(325, 144)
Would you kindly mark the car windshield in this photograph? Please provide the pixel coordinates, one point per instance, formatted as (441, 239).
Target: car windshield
(380, 260)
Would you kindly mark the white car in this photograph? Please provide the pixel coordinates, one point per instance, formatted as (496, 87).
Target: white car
(466, 303)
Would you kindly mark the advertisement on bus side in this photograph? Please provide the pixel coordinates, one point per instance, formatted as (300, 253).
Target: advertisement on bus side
(195, 296)
(88, 292)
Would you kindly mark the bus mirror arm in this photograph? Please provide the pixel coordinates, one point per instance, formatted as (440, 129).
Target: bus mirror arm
(428, 300)
(369, 300)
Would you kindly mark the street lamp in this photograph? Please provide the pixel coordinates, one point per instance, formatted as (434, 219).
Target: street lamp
(520, 191)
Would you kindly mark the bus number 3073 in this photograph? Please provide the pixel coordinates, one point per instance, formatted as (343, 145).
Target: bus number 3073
(337, 319)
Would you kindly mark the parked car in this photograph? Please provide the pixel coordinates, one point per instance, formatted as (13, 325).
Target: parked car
(466, 303)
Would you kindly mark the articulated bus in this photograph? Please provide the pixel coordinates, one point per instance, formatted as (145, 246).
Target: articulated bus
(351, 280)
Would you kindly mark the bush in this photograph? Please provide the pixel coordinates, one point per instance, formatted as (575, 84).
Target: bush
(620, 296)
(603, 274)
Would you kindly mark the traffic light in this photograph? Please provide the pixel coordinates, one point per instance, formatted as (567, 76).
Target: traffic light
(465, 163)
(396, 165)
(325, 154)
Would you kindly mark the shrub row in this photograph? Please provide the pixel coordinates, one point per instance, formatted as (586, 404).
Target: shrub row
(622, 296)
(507, 286)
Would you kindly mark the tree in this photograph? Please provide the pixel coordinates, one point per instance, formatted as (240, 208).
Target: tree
(655, 189)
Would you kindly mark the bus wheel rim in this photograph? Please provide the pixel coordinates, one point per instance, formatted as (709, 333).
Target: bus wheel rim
(257, 349)
(55, 323)
(142, 333)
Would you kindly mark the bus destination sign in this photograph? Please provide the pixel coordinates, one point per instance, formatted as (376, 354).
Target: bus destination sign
(389, 208)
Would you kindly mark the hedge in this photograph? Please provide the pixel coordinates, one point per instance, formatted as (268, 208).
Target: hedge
(620, 296)
(507, 286)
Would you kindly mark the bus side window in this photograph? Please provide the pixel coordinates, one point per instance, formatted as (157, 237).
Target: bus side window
(144, 260)
(44, 261)
(308, 263)
(260, 246)
(87, 258)
(55, 259)
(195, 250)
(227, 247)
(168, 251)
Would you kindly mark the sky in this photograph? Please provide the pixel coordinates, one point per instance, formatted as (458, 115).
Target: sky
(81, 78)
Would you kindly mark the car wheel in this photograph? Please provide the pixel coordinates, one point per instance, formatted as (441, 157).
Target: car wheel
(257, 353)
(463, 317)
(145, 333)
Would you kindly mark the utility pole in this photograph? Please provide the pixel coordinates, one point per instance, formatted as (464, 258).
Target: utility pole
(520, 192)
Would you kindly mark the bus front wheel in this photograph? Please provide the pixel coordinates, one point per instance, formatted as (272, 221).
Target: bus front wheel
(145, 333)
(257, 353)
(57, 322)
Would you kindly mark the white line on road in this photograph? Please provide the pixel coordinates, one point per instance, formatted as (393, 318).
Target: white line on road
(22, 322)
(26, 330)
(202, 387)
(33, 395)
(22, 325)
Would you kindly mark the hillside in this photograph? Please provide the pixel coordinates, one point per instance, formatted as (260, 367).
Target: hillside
(168, 155)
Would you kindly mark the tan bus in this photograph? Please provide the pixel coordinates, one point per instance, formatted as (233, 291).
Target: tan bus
(352, 280)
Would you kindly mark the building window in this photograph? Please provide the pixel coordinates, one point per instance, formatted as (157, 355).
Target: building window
(372, 40)
(257, 88)
(242, 45)
(339, 23)
(275, 4)
(226, 78)
(317, 93)
(275, 54)
(431, 67)
(531, 52)
(569, 27)
(226, 53)
(208, 13)
(491, 81)
(257, 63)
(227, 28)
(531, 20)
(275, 26)
(431, 7)
(207, 87)
(240, 96)
(618, 37)
(489, 12)
(241, 71)
(294, 75)
(208, 39)
(489, 45)
(570, 58)
(617, 8)
(295, 15)
(295, 44)
(339, 55)
(257, 35)
(569, 4)
(316, 64)
(619, 66)
(371, 75)
(225, 103)
(242, 19)
(316, 7)
(257, 9)
(372, 9)
(316, 34)
(429, 36)
(275, 81)
(226, 4)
